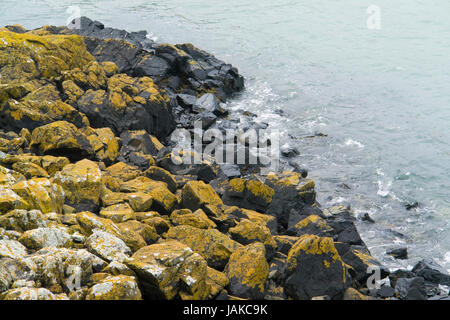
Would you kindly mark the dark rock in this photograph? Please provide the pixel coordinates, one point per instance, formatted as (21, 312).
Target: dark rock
(411, 289)
(366, 217)
(411, 206)
(103, 109)
(400, 253)
(231, 170)
(153, 67)
(385, 292)
(311, 273)
(289, 151)
(397, 274)
(207, 102)
(140, 141)
(360, 259)
(206, 118)
(186, 101)
(431, 271)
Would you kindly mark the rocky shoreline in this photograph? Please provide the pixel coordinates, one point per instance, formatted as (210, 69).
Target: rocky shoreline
(94, 207)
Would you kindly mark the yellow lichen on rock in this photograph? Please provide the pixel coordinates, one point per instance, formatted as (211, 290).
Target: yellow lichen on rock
(24, 56)
(41, 194)
(248, 271)
(81, 182)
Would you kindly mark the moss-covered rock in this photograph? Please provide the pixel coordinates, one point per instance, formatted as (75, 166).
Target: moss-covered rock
(315, 268)
(159, 174)
(170, 270)
(312, 224)
(128, 104)
(248, 271)
(118, 213)
(147, 232)
(61, 269)
(12, 249)
(115, 288)
(25, 56)
(30, 170)
(211, 244)
(9, 200)
(82, 184)
(122, 171)
(140, 201)
(217, 281)
(107, 246)
(293, 194)
(46, 237)
(240, 213)
(196, 219)
(61, 138)
(41, 194)
(250, 194)
(23, 220)
(247, 232)
(41, 106)
(32, 294)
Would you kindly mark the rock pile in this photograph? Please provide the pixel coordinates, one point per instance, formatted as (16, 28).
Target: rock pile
(92, 207)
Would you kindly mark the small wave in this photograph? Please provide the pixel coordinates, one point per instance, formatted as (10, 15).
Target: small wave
(353, 143)
(384, 188)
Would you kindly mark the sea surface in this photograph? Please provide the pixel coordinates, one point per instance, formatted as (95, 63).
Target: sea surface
(379, 90)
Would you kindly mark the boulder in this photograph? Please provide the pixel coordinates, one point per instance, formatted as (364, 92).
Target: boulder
(411, 289)
(61, 138)
(197, 219)
(107, 246)
(247, 232)
(46, 237)
(147, 232)
(128, 104)
(122, 171)
(170, 270)
(115, 288)
(82, 184)
(159, 174)
(9, 200)
(41, 194)
(63, 269)
(249, 194)
(400, 253)
(292, 194)
(12, 249)
(30, 170)
(312, 224)
(32, 294)
(314, 268)
(163, 200)
(199, 195)
(432, 272)
(217, 281)
(214, 246)
(118, 213)
(360, 260)
(247, 271)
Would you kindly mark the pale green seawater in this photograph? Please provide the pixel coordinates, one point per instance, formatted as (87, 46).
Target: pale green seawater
(382, 96)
